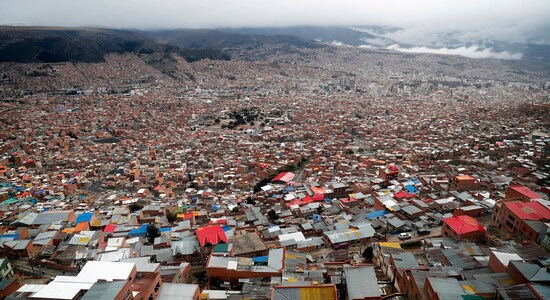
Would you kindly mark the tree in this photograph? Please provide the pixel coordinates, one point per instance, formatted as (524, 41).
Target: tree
(152, 233)
(320, 209)
(272, 215)
(171, 217)
(135, 207)
(249, 200)
(368, 254)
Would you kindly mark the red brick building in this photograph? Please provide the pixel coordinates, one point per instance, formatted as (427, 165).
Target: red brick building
(463, 228)
(463, 183)
(511, 216)
(520, 193)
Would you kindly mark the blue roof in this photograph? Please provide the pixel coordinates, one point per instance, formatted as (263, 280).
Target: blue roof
(85, 217)
(411, 189)
(15, 236)
(260, 259)
(327, 200)
(141, 231)
(226, 228)
(376, 214)
(165, 229)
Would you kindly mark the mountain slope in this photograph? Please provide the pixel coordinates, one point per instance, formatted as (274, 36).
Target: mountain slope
(215, 39)
(46, 44)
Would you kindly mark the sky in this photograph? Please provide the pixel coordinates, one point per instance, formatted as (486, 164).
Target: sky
(425, 23)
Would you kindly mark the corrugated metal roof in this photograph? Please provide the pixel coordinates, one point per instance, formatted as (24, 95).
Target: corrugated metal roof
(361, 282)
(105, 290)
(178, 291)
(275, 259)
(61, 290)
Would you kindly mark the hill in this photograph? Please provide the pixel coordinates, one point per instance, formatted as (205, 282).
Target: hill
(48, 45)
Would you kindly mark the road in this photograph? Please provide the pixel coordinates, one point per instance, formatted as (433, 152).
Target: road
(23, 266)
(435, 232)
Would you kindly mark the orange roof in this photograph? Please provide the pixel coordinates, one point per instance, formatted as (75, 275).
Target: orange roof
(82, 226)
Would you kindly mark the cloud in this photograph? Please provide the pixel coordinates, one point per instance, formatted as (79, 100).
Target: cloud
(429, 23)
(146, 14)
(378, 42)
(472, 52)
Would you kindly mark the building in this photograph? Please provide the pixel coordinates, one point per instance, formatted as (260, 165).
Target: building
(512, 216)
(112, 280)
(179, 291)
(361, 283)
(463, 228)
(305, 292)
(437, 288)
(463, 183)
(6, 271)
(231, 269)
(521, 193)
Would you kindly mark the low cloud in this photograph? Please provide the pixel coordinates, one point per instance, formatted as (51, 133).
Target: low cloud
(471, 52)
(378, 42)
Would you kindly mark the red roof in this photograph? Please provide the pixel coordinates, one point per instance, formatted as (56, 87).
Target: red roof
(403, 194)
(315, 198)
(110, 228)
(211, 235)
(463, 224)
(529, 210)
(318, 190)
(526, 192)
(284, 176)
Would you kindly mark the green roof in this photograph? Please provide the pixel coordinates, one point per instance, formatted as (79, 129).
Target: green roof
(221, 248)
(11, 200)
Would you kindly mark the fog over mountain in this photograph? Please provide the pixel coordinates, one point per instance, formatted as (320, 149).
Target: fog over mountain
(502, 29)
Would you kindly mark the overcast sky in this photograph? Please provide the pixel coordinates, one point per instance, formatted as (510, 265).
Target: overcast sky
(145, 14)
(430, 23)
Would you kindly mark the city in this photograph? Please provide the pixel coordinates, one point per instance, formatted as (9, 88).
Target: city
(286, 171)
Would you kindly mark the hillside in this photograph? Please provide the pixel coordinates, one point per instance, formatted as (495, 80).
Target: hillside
(48, 45)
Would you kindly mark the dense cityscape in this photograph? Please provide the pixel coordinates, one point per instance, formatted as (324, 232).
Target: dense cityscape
(282, 172)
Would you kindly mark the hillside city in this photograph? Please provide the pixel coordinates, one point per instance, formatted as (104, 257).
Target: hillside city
(326, 173)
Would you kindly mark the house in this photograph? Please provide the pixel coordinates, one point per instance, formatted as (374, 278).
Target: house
(463, 228)
(248, 245)
(498, 261)
(361, 283)
(179, 291)
(512, 216)
(231, 269)
(210, 236)
(398, 264)
(322, 291)
(100, 278)
(437, 288)
(463, 183)
(9, 286)
(6, 271)
(521, 193)
(470, 210)
(524, 272)
(341, 238)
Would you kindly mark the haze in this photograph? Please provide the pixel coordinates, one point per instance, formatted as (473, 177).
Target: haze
(525, 16)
